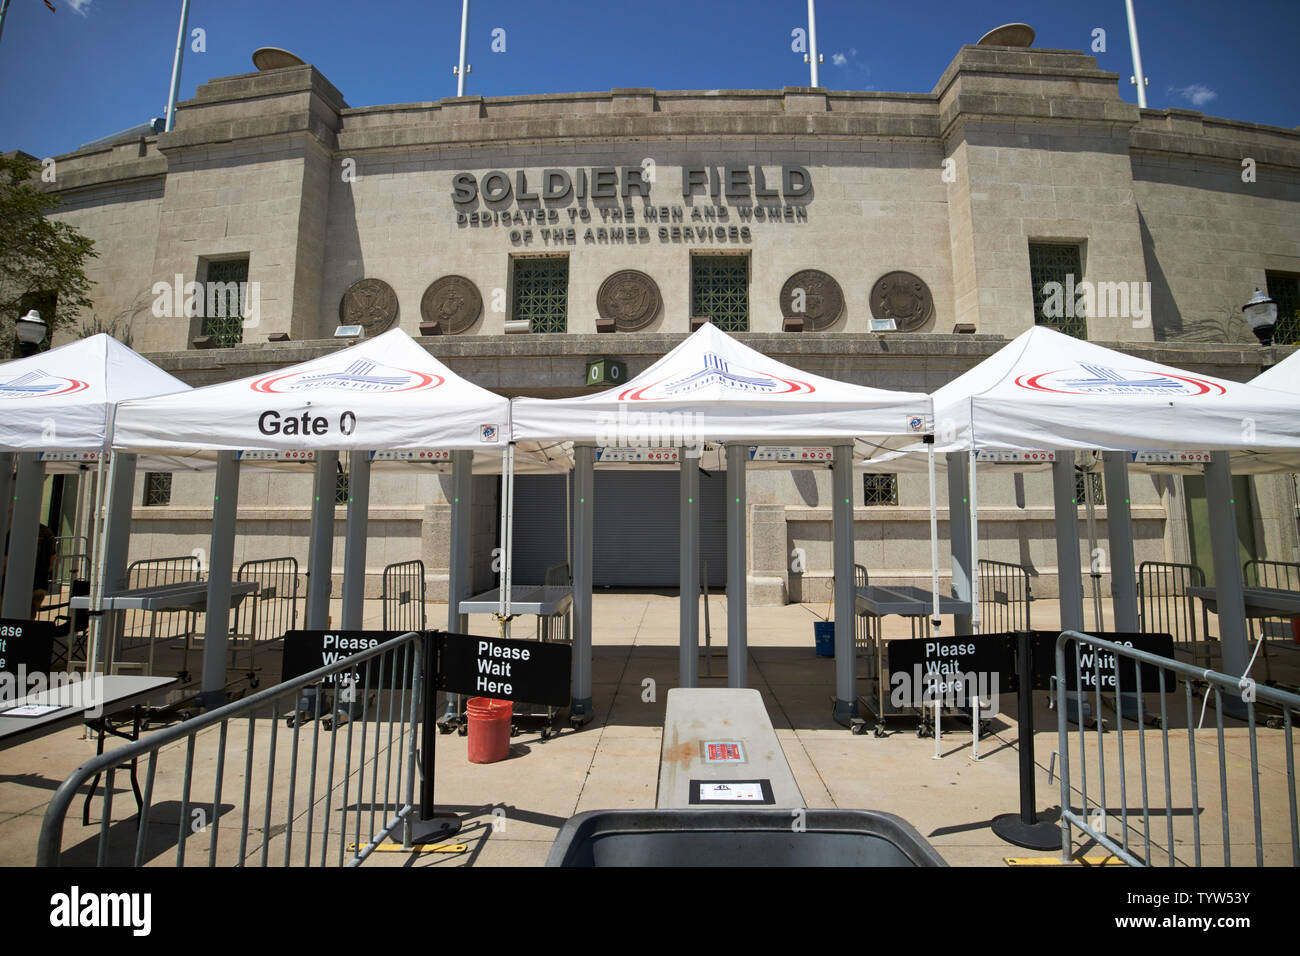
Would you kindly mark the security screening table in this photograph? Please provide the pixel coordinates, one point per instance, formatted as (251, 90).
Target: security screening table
(180, 596)
(1260, 602)
(727, 797)
(907, 601)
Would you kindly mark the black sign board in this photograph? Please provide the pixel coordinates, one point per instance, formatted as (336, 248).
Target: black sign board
(306, 651)
(532, 671)
(25, 645)
(973, 665)
(1096, 665)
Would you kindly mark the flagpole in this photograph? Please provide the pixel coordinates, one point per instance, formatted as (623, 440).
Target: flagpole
(4, 8)
(1139, 78)
(176, 65)
(464, 30)
(812, 41)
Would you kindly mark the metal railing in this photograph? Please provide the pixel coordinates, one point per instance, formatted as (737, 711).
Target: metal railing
(403, 596)
(866, 627)
(1284, 576)
(327, 826)
(142, 628)
(270, 610)
(1179, 796)
(1165, 607)
(1004, 596)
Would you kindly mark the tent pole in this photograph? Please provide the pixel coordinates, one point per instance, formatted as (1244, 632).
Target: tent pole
(23, 534)
(584, 486)
(1119, 528)
(737, 576)
(973, 488)
(320, 547)
(6, 494)
(507, 538)
(959, 529)
(354, 543)
(1068, 572)
(94, 541)
(221, 567)
(688, 601)
(936, 621)
(1094, 568)
(1227, 573)
(846, 698)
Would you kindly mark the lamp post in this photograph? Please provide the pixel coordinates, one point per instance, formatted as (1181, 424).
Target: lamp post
(1261, 316)
(31, 329)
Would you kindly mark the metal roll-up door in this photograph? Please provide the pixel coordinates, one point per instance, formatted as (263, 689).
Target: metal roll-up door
(636, 528)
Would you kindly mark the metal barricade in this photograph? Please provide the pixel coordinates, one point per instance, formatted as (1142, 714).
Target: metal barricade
(403, 597)
(270, 610)
(341, 821)
(1004, 596)
(69, 551)
(70, 578)
(556, 629)
(866, 630)
(143, 628)
(1284, 576)
(67, 568)
(1165, 607)
(1179, 795)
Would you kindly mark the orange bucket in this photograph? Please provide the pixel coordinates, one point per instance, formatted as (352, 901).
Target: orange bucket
(489, 729)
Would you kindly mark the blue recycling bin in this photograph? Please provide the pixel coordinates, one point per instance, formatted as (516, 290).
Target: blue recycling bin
(824, 635)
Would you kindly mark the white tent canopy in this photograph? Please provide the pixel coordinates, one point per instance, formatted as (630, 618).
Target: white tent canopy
(711, 387)
(62, 400)
(1046, 390)
(385, 393)
(1283, 377)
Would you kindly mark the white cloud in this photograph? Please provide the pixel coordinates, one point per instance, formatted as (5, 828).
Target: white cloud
(78, 6)
(839, 59)
(1197, 94)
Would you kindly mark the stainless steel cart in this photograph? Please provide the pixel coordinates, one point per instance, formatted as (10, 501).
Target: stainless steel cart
(873, 602)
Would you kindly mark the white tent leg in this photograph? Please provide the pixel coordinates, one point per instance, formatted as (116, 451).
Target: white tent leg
(936, 621)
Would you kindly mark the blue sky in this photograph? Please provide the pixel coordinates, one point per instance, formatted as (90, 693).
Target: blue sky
(98, 66)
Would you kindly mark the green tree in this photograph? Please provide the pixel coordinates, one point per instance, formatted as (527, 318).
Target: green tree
(42, 261)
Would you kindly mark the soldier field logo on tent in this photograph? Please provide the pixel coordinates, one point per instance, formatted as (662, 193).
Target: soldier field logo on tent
(39, 384)
(1089, 379)
(717, 371)
(360, 375)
